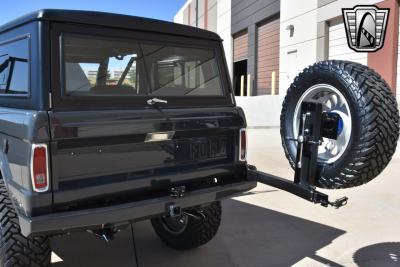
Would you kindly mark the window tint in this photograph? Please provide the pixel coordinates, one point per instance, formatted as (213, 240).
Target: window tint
(101, 67)
(180, 71)
(14, 67)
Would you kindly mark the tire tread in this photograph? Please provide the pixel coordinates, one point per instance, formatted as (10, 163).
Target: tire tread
(16, 249)
(197, 233)
(379, 115)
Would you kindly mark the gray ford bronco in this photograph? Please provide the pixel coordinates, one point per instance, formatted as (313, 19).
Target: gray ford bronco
(109, 119)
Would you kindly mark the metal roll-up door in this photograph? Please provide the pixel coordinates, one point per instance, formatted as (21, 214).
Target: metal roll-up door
(240, 46)
(268, 58)
(338, 47)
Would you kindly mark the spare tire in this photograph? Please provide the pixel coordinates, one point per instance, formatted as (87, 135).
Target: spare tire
(369, 121)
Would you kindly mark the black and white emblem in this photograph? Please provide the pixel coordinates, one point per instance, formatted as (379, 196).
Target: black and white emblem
(365, 27)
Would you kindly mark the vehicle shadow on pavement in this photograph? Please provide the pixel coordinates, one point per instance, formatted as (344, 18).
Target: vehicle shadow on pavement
(85, 250)
(381, 254)
(249, 236)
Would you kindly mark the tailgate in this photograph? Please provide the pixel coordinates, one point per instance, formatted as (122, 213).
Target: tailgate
(100, 154)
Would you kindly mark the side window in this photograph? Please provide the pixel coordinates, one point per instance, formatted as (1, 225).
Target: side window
(4, 68)
(14, 67)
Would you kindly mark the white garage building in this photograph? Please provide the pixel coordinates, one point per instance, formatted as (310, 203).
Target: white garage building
(308, 31)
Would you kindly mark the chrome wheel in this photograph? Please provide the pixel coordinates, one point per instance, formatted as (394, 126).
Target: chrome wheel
(175, 225)
(333, 101)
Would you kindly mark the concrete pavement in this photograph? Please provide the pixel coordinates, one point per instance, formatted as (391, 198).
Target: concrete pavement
(267, 227)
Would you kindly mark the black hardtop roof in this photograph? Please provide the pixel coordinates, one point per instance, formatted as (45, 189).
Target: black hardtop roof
(110, 20)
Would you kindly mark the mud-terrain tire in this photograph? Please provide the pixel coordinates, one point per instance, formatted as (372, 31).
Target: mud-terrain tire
(369, 139)
(196, 232)
(16, 249)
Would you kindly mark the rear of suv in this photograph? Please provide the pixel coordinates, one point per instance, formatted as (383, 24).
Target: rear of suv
(109, 119)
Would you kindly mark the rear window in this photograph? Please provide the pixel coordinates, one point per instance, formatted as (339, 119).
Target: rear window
(109, 67)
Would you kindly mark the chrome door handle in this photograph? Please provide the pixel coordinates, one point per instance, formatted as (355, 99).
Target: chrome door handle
(154, 101)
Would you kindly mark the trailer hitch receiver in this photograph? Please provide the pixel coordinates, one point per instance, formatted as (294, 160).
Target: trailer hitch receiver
(314, 125)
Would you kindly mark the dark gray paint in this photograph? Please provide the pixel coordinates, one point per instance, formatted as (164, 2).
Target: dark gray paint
(60, 100)
(35, 101)
(110, 157)
(128, 212)
(19, 128)
(92, 152)
(109, 20)
(247, 14)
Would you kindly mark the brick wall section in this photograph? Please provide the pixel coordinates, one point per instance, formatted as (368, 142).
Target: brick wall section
(384, 61)
(240, 46)
(268, 56)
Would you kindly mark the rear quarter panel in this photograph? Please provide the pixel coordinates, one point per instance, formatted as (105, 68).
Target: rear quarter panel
(18, 130)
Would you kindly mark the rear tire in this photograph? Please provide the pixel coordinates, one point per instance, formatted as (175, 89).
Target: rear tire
(372, 121)
(16, 249)
(194, 233)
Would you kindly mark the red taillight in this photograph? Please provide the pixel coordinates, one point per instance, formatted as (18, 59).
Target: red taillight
(39, 168)
(242, 145)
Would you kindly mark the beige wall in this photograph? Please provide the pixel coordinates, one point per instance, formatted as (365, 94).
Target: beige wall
(309, 44)
(212, 16)
(182, 14)
(224, 29)
(219, 21)
(298, 51)
(334, 8)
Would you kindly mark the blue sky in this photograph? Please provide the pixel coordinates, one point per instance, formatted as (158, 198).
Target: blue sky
(158, 9)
